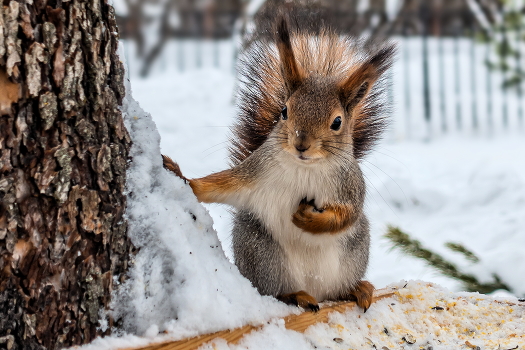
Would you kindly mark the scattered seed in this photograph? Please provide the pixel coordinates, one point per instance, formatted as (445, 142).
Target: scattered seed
(338, 340)
(472, 346)
(409, 338)
(439, 308)
(371, 342)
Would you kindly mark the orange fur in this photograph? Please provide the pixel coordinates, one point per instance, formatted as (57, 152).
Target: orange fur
(216, 188)
(332, 219)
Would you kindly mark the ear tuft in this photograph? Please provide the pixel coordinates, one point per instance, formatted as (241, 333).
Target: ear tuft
(283, 34)
(383, 59)
(293, 75)
(354, 89)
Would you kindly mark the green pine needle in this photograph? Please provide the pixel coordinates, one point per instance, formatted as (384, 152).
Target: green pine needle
(413, 247)
(459, 248)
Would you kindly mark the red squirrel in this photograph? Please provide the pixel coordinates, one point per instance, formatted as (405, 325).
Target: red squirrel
(311, 106)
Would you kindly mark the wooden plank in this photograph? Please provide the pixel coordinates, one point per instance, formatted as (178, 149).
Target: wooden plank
(297, 323)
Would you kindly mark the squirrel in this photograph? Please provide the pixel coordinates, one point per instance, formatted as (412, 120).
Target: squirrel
(311, 106)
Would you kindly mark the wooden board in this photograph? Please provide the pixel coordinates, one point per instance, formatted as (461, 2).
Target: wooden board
(297, 323)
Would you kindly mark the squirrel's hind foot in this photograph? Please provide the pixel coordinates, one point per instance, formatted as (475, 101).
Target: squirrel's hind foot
(302, 299)
(363, 294)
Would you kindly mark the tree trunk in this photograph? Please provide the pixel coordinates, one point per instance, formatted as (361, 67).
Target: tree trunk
(63, 156)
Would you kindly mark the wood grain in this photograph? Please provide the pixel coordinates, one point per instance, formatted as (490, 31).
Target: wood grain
(298, 323)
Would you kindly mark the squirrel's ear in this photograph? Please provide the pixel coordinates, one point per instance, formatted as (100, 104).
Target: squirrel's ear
(293, 75)
(354, 89)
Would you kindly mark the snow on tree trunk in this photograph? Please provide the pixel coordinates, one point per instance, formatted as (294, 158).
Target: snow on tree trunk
(63, 159)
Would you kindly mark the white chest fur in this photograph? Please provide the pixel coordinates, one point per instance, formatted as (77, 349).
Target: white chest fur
(313, 260)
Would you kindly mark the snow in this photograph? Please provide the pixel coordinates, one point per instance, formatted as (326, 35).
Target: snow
(452, 190)
(463, 188)
(420, 312)
(415, 311)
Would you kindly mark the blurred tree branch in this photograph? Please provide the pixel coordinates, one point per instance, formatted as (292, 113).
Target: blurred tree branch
(414, 248)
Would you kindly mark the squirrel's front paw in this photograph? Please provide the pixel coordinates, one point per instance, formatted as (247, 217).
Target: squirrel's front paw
(332, 218)
(170, 165)
(307, 216)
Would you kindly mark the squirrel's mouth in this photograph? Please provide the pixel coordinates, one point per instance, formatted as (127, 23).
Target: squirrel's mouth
(305, 159)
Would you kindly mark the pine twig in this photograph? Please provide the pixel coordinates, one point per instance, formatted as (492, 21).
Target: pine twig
(459, 248)
(414, 248)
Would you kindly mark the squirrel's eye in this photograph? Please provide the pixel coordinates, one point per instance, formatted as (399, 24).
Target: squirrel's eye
(284, 114)
(336, 124)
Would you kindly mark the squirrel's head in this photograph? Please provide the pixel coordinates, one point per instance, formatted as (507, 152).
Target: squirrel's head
(324, 114)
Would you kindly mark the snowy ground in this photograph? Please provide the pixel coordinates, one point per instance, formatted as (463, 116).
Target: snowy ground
(418, 316)
(469, 190)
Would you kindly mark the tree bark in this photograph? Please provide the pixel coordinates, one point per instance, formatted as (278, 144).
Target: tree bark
(63, 156)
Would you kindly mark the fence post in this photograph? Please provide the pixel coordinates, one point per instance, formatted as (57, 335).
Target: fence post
(490, 123)
(505, 89)
(406, 69)
(426, 79)
(442, 106)
(215, 44)
(181, 62)
(519, 57)
(457, 89)
(473, 81)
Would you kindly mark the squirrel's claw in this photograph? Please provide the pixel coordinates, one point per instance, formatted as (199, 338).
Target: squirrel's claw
(170, 165)
(305, 203)
(363, 293)
(302, 299)
(313, 307)
(314, 207)
(306, 209)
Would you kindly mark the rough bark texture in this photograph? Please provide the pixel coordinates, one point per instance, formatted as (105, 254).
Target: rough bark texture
(63, 156)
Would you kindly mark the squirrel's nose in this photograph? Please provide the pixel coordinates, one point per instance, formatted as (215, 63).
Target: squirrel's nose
(301, 148)
(301, 143)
